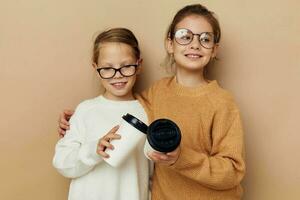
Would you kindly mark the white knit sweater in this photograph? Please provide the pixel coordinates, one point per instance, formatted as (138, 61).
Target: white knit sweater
(76, 158)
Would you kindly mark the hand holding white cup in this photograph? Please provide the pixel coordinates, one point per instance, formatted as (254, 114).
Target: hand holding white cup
(132, 131)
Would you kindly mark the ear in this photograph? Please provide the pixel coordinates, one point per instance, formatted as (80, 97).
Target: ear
(139, 68)
(215, 50)
(94, 65)
(140, 61)
(169, 46)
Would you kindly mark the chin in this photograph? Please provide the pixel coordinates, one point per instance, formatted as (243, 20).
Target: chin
(121, 94)
(193, 67)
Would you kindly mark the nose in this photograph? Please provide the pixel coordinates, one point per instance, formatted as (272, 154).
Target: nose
(195, 44)
(118, 74)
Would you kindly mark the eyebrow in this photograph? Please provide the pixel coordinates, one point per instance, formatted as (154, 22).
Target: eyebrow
(125, 62)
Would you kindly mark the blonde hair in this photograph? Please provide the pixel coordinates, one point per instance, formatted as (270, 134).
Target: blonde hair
(121, 35)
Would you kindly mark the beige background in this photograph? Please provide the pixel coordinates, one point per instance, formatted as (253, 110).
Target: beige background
(45, 66)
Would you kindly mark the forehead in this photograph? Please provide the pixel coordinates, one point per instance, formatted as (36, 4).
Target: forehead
(195, 23)
(115, 52)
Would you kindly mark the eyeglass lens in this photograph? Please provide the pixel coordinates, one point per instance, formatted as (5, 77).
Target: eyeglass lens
(109, 72)
(185, 36)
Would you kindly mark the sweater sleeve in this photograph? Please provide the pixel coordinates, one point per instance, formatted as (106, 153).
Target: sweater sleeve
(74, 156)
(224, 167)
(146, 98)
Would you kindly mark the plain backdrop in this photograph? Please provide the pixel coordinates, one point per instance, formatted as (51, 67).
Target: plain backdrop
(45, 53)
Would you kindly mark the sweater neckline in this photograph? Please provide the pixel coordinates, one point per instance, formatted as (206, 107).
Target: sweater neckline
(193, 91)
(117, 103)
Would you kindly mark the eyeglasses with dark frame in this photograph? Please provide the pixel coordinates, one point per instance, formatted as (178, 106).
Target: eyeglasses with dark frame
(110, 72)
(185, 36)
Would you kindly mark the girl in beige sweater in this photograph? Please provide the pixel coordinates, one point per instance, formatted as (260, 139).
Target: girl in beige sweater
(209, 164)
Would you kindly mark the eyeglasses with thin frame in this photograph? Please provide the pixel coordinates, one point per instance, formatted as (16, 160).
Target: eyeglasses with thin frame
(110, 72)
(185, 36)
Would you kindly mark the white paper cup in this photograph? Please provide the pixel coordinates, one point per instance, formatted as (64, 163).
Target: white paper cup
(132, 131)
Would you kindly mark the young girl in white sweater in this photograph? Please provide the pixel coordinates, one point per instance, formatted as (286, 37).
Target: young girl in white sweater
(80, 154)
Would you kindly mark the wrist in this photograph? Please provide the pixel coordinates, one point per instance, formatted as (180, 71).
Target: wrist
(177, 157)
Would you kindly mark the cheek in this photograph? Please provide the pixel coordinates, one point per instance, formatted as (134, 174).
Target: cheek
(132, 80)
(179, 49)
(104, 82)
(208, 52)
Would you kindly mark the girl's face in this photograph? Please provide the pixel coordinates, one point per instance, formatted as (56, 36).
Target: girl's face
(116, 55)
(192, 56)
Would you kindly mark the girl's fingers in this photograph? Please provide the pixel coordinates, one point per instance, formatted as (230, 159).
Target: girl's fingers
(114, 129)
(161, 156)
(174, 153)
(158, 157)
(63, 119)
(63, 126)
(61, 135)
(65, 116)
(106, 144)
(63, 122)
(152, 157)
(103, 144)
(61, 132)
(103, 154)
(113, 136)
(68, 112)
(158, 160)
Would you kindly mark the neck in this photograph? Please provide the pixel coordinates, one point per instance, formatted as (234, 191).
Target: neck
(190, 78)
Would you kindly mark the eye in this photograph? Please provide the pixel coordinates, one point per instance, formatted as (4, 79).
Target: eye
(130, 67)
(181, 33)
(206, 38)
(186, 37)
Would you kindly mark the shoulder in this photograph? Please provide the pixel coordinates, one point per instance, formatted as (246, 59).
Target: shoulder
(162, 83)
(155, 87)
(88, 104)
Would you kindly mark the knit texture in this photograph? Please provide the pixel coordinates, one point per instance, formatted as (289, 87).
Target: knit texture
(76, 157)
(211, 161)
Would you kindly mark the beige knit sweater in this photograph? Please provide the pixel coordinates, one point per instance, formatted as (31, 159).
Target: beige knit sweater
(211, 161)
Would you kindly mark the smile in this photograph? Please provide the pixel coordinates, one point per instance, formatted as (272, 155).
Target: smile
(193, 55)
(119, 85)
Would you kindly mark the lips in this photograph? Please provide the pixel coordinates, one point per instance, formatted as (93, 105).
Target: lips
(119, 85)
(193, 56)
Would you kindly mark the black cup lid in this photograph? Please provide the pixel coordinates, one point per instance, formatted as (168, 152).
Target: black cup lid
(163, 135)
(135, 122)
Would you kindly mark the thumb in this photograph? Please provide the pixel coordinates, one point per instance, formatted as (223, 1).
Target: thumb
(68, 112)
